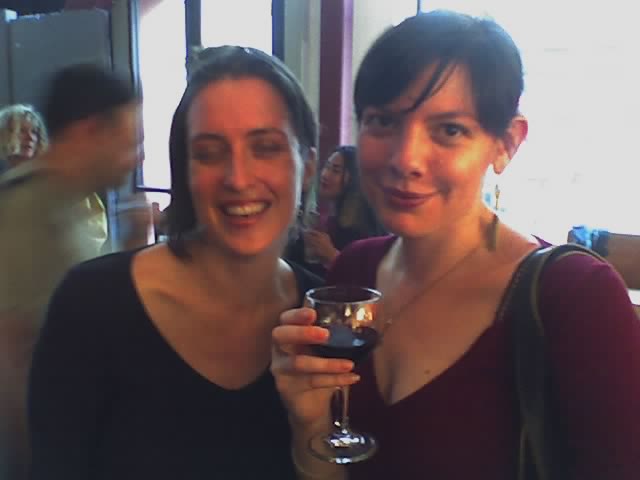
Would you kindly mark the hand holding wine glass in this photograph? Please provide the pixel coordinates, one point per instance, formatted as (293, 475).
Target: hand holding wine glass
(306, 382)
(349, 314)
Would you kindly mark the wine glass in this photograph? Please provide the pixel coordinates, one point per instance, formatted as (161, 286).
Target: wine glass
(349, 313)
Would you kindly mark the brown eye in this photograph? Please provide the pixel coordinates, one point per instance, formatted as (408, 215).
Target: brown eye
(380, 123)
(208, 155)
(452, 130)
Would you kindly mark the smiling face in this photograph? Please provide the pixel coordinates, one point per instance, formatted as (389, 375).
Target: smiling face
(245, 167)
(422, 168)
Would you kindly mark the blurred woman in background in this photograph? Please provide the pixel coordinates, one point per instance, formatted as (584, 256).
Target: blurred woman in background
(344, 214)
(23, 134)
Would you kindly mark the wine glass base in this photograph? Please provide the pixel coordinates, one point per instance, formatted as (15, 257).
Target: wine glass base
(343, 447)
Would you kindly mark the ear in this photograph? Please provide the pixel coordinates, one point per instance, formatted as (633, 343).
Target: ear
(310, 166)
(509, 144)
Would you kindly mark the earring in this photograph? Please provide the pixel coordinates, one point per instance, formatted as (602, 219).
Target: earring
(495, 222)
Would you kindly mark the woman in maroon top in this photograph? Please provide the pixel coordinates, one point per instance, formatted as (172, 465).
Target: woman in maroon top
(438, 393)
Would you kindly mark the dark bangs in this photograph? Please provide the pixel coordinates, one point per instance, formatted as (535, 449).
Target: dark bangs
(444, 39)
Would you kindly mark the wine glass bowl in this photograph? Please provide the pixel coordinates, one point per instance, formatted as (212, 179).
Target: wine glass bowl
(349, 313)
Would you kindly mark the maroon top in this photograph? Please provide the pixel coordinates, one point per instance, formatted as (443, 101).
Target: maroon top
(465, 423)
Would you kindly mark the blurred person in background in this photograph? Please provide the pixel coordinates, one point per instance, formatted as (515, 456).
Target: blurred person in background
(344, 214)
(22, 135)
(92, 116)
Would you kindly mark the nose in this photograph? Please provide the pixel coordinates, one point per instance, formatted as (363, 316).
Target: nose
(411, 151)
(237, 171)
(28, 136)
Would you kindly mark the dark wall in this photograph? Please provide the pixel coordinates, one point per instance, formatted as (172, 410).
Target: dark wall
(28, 7)
(36, 46)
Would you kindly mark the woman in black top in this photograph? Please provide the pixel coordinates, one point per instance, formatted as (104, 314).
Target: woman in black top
(154, 363)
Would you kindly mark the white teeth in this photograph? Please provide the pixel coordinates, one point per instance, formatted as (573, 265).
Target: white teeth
(246, 209)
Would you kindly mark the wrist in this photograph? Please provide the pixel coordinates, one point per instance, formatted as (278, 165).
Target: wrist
(306, 470)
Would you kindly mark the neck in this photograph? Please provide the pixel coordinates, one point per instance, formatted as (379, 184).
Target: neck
(424, 258)
(240, 280)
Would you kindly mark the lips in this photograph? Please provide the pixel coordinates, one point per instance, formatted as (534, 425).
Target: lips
(404, 199)
(245, 209)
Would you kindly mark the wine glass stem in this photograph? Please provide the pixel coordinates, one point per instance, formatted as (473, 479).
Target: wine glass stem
(343, 422)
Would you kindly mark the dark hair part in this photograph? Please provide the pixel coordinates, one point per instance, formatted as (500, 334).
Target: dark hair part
(445, 39)
(83, 90)
(214, 64)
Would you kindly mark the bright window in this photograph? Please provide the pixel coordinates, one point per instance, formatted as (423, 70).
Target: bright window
(245, 23)
(401, 9)
(579, 164)
(161, 51)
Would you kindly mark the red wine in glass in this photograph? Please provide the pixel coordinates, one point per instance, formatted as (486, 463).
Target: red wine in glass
(348, 343)
(349, 313)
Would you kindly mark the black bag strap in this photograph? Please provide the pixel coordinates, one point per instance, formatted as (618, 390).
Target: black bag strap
(532, 370)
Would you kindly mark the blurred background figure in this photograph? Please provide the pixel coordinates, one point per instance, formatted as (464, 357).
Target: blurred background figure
(343, 215)
(49, 214)
(22, 135)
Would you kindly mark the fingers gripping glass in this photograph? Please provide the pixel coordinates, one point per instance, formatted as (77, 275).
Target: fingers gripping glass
(349, 313)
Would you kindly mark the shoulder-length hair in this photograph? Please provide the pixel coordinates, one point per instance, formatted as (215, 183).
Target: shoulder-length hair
(212, 65)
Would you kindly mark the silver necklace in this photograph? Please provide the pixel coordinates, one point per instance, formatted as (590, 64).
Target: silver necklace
(418, 295)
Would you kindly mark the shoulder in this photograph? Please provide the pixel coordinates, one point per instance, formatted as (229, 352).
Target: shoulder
(579, 274)
(100, 278)
(585, 294)
(367, 248)
(26, 173)
(305, 280)
(88, 304)
(359, 260)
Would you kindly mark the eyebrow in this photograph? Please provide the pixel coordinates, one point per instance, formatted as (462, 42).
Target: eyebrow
(451, 115)
(258, 132)
(267, 131)
(206, 136)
